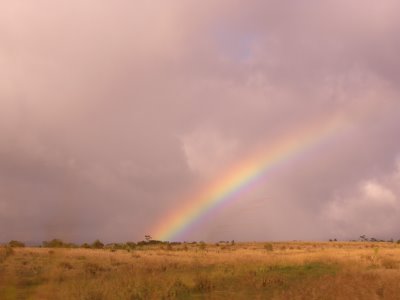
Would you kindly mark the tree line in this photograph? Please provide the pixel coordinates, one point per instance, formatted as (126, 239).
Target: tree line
(97, 244)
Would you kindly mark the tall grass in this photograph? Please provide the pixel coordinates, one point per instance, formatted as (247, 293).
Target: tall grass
(189, 271)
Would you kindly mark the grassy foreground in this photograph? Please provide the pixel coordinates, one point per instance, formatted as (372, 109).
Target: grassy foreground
(295, 270)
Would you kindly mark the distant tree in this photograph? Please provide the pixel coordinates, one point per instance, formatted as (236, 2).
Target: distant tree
(148, 237)
(97, 244)
(54, 243)
(85, 245)
(16, 244)
(363, 238)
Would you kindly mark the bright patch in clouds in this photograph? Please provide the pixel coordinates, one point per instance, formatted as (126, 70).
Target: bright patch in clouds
(207, 151)
(371, 209)
(378, 193)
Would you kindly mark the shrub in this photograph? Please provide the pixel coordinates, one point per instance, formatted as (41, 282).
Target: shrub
(268, 247)
(131, 245)
(55, 243)
(97, 244)
(16, 244)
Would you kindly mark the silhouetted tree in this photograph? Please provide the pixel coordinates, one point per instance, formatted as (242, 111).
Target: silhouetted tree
(97, 244)
(363, 238)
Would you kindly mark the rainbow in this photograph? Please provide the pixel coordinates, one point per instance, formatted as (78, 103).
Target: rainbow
(243, 175)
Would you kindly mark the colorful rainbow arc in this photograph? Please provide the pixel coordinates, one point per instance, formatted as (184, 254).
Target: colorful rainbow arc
(242, 175)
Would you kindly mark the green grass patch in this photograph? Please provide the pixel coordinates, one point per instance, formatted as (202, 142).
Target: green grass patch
(281, 277)
(309, 269)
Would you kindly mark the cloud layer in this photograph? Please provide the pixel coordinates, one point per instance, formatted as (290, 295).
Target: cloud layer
(111, 112)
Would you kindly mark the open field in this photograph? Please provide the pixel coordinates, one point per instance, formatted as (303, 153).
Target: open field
(296, 270)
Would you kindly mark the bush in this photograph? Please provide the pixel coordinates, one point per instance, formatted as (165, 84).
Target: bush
(16, 244)
(131, 245)
(268, 247)
(97, 244)
(54, 243)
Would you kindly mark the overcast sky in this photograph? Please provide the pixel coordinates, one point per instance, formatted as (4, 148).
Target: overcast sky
(113, 112)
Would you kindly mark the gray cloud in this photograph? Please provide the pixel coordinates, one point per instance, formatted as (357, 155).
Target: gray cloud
(111, 112)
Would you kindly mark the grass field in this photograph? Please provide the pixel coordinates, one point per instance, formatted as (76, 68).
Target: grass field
(295, 270)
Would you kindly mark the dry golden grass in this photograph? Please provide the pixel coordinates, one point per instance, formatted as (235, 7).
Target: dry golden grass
(295, 270)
